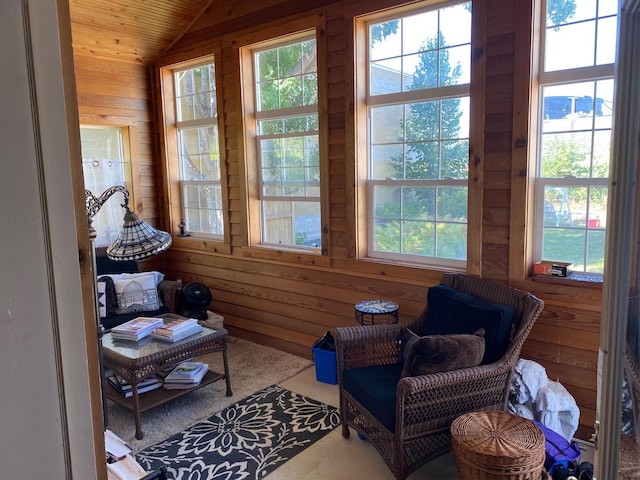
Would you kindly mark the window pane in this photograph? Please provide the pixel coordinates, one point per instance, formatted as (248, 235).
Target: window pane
(195, 93)
(199, 155)
(425, 155)
(104, 166)
(291, 223)
(574, 226)
(579, 34)
(289, 166)
(577, 130)
(414, 52)
(286, 76)
(203, 208)
(424, 221)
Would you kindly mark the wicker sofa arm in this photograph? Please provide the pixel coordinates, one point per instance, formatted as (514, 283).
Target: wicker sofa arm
(169, 291)
(362, 346)
(441, 397)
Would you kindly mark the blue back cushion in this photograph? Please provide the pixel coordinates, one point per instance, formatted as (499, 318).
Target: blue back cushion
(451, 312)
(376, 389)
(104, 266)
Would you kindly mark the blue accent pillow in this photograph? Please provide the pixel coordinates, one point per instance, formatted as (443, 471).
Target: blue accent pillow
(452, 312)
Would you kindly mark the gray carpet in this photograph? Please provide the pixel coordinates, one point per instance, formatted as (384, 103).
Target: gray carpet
(252, 367)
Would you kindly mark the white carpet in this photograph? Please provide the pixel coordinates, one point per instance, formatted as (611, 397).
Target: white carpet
(252, 367)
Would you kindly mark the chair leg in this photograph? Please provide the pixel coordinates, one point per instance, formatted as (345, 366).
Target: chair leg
(345, 430)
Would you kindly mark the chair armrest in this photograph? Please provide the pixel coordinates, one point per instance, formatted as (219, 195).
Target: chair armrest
(362, 346)
(435, 400)
(169, 291)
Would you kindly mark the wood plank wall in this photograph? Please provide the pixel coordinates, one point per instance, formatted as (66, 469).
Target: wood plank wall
(286, 303)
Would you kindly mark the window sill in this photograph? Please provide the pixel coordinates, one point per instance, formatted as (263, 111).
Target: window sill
(571, 279)
(201, 244)
(286, 255)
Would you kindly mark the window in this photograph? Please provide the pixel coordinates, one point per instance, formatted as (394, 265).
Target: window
(199, 150)
(283, 122)
(105, 163)
(417, 107)
(575, 118)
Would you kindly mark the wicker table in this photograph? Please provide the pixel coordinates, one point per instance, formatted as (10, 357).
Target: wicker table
(497, 445)
(135, 361)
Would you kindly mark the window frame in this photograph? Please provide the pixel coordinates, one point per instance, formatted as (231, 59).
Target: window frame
(253, 244)
(364, 101)
(175, 202)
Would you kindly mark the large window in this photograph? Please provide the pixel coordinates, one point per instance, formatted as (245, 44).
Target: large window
(199, 150)
(105, 163)
(575, 118)
(418, 135)
(284, 125)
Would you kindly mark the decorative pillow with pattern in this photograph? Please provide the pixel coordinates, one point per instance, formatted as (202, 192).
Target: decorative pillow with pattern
(440, 353)
(107, 296)
(137, 292)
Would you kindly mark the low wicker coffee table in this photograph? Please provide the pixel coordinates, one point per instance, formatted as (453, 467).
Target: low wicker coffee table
(135, 361)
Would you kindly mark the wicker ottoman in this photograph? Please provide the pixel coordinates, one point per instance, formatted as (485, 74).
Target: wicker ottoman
(497, 445)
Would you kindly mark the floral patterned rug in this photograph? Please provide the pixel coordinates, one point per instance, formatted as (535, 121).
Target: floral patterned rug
(247, 440)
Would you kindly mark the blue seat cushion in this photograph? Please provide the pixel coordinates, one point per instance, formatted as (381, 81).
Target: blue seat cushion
(451, 311)
(376, 389)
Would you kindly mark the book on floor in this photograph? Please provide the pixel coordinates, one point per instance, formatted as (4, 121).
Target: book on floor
(136, 329)
(126, 469)
(116, 448)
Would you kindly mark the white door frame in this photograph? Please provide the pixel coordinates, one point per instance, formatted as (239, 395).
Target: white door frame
(50, 407)
(622, 225)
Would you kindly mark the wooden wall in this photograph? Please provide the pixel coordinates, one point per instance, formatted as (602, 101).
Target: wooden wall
(117, 93)
(287, 302)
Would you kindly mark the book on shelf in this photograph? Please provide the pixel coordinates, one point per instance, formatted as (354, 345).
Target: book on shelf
(126, 389)
(136, 328)
(174, 336)
(186, 375)
(126, 469)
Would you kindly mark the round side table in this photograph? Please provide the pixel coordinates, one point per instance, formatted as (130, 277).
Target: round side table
(370, 311)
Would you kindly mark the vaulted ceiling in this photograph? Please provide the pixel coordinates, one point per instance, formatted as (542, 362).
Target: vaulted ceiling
(137, 31)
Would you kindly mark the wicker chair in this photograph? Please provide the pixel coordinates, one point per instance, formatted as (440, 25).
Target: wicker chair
(426, 405)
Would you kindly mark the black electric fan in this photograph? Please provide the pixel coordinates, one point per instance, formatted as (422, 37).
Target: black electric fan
(194, 300)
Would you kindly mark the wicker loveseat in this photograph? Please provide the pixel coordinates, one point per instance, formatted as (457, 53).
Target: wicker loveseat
(408, 418)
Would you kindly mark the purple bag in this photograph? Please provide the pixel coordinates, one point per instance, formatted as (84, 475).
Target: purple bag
(560, 452)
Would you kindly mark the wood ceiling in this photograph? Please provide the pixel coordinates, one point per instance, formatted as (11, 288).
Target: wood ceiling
(137, 31)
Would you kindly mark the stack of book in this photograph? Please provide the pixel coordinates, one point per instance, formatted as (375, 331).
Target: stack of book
(186, 375)
(136, 329)
(177, 330)
(125, 389)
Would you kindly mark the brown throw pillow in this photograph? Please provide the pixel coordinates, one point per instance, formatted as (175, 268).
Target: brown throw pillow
(441, 353)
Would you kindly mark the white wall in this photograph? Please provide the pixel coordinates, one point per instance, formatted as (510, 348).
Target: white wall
(45, 413)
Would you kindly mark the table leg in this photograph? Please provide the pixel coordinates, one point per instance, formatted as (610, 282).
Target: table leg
(226, 371)
(136, 410)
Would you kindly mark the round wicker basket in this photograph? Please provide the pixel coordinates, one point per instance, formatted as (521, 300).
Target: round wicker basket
(497, 445)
